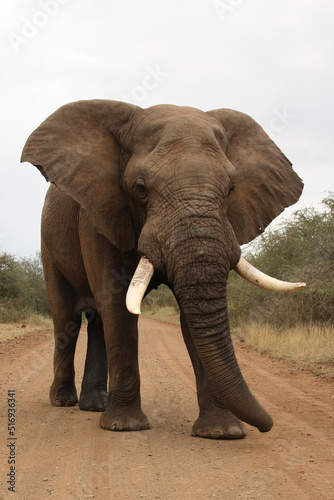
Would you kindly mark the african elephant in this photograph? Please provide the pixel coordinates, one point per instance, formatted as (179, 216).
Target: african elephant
(179, 190)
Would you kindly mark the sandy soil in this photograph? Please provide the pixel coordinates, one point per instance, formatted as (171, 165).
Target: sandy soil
(62, 452)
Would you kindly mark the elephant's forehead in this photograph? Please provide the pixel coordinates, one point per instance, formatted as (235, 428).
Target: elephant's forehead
(172, 124)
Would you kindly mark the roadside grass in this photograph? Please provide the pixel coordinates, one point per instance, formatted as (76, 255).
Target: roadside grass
(305, 347)
(30, 324)
(167, 313)
(308, 347)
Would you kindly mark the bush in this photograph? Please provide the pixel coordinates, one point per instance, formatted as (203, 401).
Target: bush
(22, 288)
(300, 249)
(159, 298)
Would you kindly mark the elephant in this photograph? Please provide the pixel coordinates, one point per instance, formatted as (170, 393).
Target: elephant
(166, 194)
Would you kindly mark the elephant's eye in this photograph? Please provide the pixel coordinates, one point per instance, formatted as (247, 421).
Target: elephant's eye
(232, 188)
(141, 190)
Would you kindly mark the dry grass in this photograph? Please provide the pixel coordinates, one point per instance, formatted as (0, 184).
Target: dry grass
(164, 314)
(306, 347)
(309, 346)
(31, 324)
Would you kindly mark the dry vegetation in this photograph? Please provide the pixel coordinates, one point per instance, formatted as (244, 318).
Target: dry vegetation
(165, 313)
(31, 324)
(307, 347)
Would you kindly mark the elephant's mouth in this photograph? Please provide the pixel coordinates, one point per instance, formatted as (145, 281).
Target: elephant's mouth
(145, 270)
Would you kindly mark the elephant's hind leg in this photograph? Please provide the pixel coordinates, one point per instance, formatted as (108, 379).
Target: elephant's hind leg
(215, 420)
(66, 330)
(94, 393)
(67, 323)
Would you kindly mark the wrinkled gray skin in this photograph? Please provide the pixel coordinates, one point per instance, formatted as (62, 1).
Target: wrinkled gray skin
(181, 186)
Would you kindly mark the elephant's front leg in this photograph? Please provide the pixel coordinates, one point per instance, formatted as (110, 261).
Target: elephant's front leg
(215, 420)
(123, 411)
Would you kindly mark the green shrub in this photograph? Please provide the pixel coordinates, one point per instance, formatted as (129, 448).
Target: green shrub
(22, 288)
(300, 249)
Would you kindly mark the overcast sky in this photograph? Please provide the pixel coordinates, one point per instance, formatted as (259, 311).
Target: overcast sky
(270, 59)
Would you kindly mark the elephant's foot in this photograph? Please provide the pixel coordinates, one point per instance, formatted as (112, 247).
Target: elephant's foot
(219, 424)
(124, 418)
(94, 400)
(63, 393)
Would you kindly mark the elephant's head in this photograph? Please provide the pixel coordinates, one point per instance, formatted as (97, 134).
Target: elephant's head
(186, 188)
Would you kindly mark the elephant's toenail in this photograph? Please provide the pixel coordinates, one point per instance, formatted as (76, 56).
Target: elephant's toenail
(235, 431)
(218, 433)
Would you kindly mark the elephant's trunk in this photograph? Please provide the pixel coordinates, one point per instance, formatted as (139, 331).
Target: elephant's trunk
(205, 308)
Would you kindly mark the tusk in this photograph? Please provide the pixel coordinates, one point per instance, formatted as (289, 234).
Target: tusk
(138, 285)
(253, 275)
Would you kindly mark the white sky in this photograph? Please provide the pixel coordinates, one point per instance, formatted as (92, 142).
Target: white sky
(270, 59)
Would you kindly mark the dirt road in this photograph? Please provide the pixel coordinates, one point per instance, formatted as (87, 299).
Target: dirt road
(62, 453)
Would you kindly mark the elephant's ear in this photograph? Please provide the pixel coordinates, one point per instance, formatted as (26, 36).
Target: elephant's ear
(265, 182)
(78, 149)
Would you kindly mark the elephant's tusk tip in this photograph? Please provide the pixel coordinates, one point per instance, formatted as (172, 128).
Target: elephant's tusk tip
(133, 309)
(295, 287)
(136, 311)
(133, 302)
